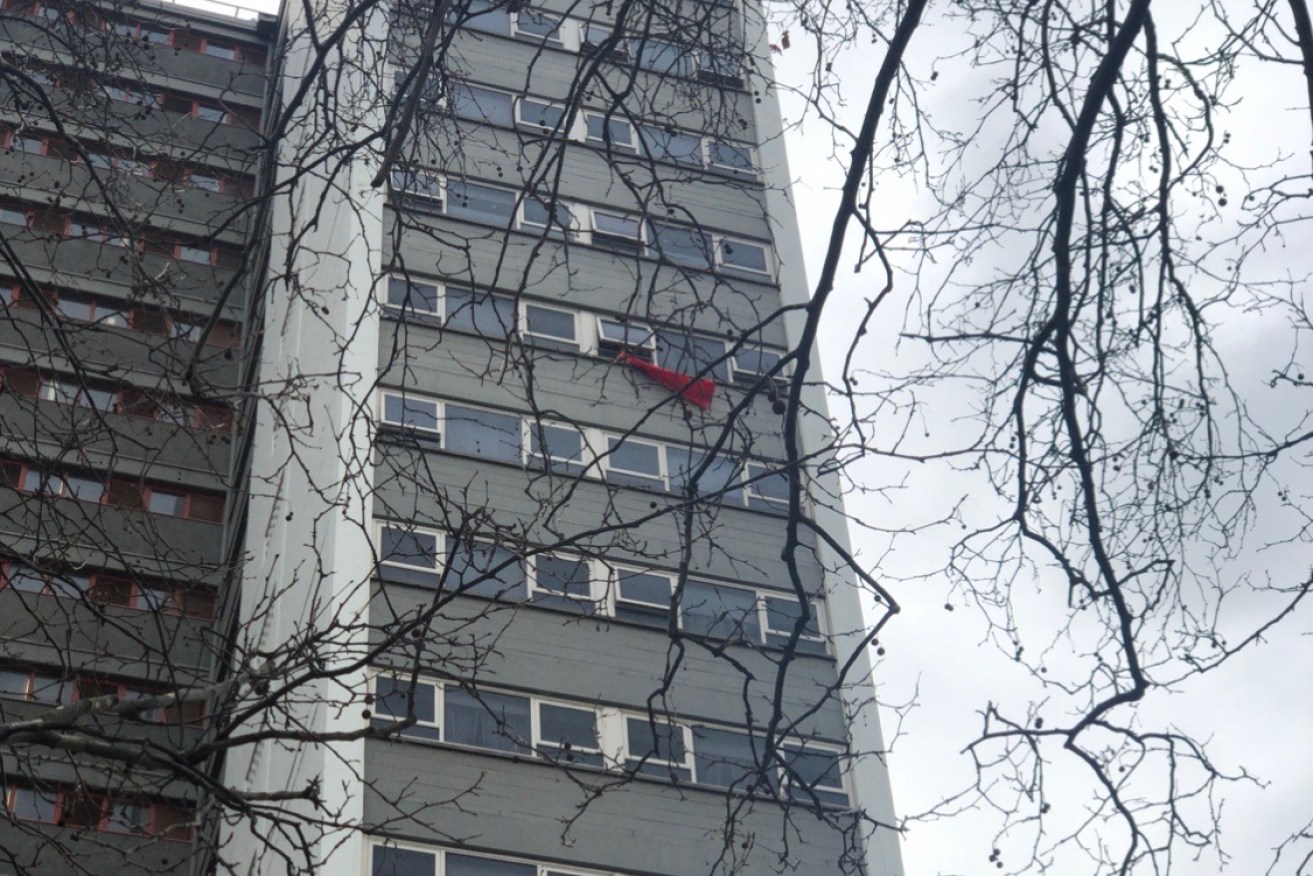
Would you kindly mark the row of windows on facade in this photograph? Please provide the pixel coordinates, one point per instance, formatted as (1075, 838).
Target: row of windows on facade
(80, 82)
(578, 734)
(170, 500)
(574, 451)
(95, 229)
(603, 228)
(614, 130)
(574, 330)
(81, 307)
(109, 399)
(104, 589)
(110, 160)
(92, 810)
(724, 612)
(395, 860)
(182, 39)
(716, 61)
(27, 685)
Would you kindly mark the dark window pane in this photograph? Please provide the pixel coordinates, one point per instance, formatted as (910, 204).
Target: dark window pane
(769, 488)
(480, 104)
(483, 15)
(643, 598)
(472, 571)
(730, 155)
(720, 612)
(32, 805)
(654, 747)
(723, 758)
(541, 214)
(417, 297)
(409, 548)
(541, 114)
(480, 203)
(413, 413)
(814, 772)
(572, 731)
(403, 862)
(692, 354)
(550, 323)
(496, 721)
(742, 257)
(670, 145)
(749, 364)
(482, 433)
(26, 578)
(566, 576)
(537, 24)
(719, 478)
(561, 444)
(683, 246)
(660, 57)
(395, 696)
(781, 615)
(634, 463)
(610, 131)
(484, 314)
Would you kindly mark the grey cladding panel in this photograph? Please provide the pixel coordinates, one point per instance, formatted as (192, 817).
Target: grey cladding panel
(518, 809)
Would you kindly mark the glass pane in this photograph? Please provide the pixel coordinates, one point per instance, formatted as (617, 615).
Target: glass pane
(472, 571)
(31, 805)
(419, 297)
(540, 113)
(670, 145)
(495, 721)
(481, 313)
(750, 363)
(485, 16)
(128, 817)
(814, 772)
(645, 587)
(560, 443)
(549, 322)
(683, 246)
(482, 433)
(418, 184)
(481, 203)
(567, 576)
(729, 155)
(13, 683)
(403, 862)
(624, 333)
(394, 697)
(662, 57)
(723, 758)
(412, 413)
(618, 226)
(47, 689)
(173, 504)
(480, 104)
(85, 489)
(653, 747)
(573, 731)
(743, 256)
(610, 130)
(719, 478)
(537, 24)
(770, 485)
(536, 213)
(719, 612)
(692, 354)
(409, 548)
(782, 614)
(26, 578)
(633, 462)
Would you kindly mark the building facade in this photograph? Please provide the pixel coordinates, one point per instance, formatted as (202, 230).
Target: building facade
(407, 413)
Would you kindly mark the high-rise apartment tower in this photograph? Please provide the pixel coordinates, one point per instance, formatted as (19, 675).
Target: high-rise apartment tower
(403, 468)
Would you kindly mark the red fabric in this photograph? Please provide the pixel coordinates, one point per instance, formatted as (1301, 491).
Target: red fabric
(698, 392)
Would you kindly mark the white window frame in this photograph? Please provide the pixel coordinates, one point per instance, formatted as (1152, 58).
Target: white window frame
(439, 298)
(686, 730)
(751, 170)
(719, 264)
(642, 240)
(437, 182)
(531, 573)
(562, 25)
(521, 122)
(612, 579)
(523, 223)
(439, 413)
(540, 745)
(607, 465)
(439, 546)
(808, 746)
(528, 335)
(750, 480)
(822, 637)
(439, 719)
(649, 343)
(631, 146)
(529, 429)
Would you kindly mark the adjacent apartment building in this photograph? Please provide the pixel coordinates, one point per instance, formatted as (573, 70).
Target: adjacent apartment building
(403, 471)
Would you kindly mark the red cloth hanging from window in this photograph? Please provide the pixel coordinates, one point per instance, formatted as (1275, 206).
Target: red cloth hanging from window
(695, 391)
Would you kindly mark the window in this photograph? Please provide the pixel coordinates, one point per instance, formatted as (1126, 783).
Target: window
(609, 131)
(615, 337)
(667, 144)
(483, 15)
(479, 312)
(219, 50)
(782, 615)
(477, 432)
(538, 25)
(593, 36)
(11, 216)
(198, 255)
(811, 770)
(730, 156)
(398, 699)
(751, 365)
(203, 181)
(562, 582)
(559, 448)
(408, 556)
(661, 57)
(33, 687)
(468, 865)
(495, 721)
(643, 598)
(412, 297)
(634, 463)
(416, 414)
(657, 748)
(683, 246)
(692, 354)
(742, 257)
(541, 216)
(568, 734)
(403, 862)
(718, 612)
(418, 184)
(768, 488)
(482, 105)
(618, 233)
(551, 327)
(724, 758)
(719, 68)
(541, 114)
(480, 203)
(211, 113)
(717, 476)
(29, 804)
(483, 569)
